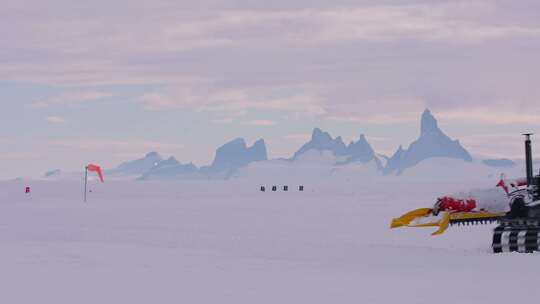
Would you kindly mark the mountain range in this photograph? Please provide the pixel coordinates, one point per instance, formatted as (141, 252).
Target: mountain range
(235, 156)
(359, 151)
(228, 159)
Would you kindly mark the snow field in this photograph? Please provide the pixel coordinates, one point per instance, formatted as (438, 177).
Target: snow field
(227, 242)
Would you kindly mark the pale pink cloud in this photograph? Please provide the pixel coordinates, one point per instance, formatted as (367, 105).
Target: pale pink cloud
(493, 116)
(261, 122)
(222, 121)
(125, 145)
(55, 120)
(71, 98)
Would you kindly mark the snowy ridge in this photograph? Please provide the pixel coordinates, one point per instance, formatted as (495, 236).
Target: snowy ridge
(171, 169)
(229, 159)
(499, 163)
(359, 151)
(138, 166)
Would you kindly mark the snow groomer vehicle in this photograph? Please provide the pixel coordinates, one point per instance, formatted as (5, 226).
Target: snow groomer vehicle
(517, 211)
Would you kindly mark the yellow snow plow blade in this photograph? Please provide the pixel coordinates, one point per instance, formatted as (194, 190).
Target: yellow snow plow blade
(408, 217)
(423, 218)
(443, 224)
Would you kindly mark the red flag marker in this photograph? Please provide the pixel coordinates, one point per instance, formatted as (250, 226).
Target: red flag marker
(97, 169)
(91, 168)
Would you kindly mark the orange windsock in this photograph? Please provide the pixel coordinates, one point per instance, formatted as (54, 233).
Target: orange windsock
(97, 169)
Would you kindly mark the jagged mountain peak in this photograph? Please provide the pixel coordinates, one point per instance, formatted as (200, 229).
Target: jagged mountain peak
(320, 136)
(258, 149)
(322, 141)
(236, 154)
(431, 143)
(259, 143)
(138, 166)
(362, 139)
(429, 124)
(360, 150)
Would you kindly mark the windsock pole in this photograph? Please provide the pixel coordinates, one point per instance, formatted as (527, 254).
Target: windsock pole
(85, 181)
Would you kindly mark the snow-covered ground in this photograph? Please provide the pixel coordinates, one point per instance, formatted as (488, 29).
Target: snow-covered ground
(227, 242)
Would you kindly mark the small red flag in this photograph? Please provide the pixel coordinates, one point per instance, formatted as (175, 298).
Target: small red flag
(97, 169)
(502, 184)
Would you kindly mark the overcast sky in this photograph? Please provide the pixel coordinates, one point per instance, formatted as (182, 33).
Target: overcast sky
(107, 81)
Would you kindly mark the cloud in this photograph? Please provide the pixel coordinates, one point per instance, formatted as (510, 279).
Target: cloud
(71, 98)
(39, 105)
(265, 123)
(55, 120)
(495, 145)
(114, 145)
(154, 101)
(235, 102)
(347, 61)
(19, 156)
(197, 97)
(222, 121)
(376, 119)
(82, 46)
(492, 116)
